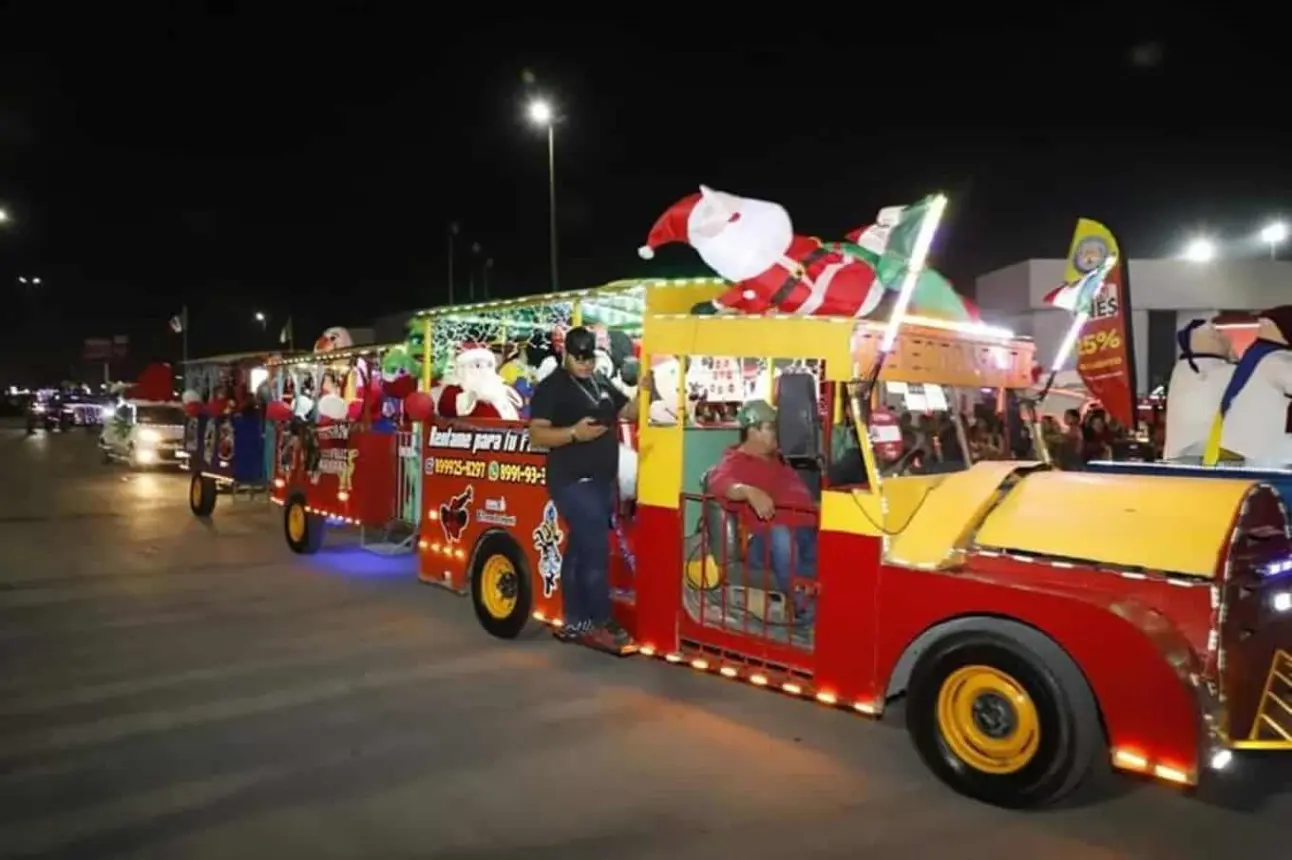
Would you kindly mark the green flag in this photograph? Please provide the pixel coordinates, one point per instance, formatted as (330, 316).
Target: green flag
(887, 245)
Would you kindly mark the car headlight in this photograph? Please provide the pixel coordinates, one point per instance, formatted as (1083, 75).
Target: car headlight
(149, 437)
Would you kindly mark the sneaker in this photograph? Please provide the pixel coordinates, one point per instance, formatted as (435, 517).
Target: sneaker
(571, 632)
(621, 636)
(602, 639)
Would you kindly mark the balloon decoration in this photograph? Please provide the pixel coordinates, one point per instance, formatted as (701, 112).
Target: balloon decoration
(418, 406)
(302, 406)
(333, 407)
(278, 412)
(191, 396)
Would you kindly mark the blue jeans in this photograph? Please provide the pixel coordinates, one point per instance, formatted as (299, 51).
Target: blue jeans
(586, 507)
(792, 553)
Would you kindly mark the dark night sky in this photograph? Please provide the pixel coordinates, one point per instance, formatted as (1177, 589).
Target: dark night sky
(310, 165)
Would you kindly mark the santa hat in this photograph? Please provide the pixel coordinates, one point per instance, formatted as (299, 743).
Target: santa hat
(472, 351)
(672, 226)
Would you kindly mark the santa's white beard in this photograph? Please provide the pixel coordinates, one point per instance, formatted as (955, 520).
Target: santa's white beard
(745, 248)
(489, 387)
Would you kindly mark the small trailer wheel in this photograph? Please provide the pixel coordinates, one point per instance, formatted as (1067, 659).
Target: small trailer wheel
(304, 530)
(201, 495)
(501, 591)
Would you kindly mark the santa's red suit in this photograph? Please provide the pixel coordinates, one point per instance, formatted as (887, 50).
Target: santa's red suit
(752, 244)
(447, 405)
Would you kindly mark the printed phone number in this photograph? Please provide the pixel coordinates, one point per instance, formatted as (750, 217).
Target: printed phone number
(503, 473)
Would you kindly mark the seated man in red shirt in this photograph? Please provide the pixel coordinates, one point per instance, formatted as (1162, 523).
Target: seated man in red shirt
(753, 472)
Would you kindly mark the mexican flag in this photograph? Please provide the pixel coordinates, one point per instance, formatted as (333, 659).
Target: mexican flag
(887, 245)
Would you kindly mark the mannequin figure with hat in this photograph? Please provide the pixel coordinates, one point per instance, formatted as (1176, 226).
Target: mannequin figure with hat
(477, 391)
(1254, 421)
(1201, 374)
(574, 414)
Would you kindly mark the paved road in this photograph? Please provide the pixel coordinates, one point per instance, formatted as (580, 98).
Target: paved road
(170, 688)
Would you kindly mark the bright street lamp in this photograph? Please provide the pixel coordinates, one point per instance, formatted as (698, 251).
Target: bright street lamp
(4, 216)
(1274, 234)
(541, 113)
(1200, 251)
(260, 318)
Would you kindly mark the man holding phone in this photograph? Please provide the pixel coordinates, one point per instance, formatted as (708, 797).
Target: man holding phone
(572, 413)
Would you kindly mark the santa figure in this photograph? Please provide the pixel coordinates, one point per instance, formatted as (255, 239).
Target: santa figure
(1254, 420)
(333, 339)
(752, 244)
(1201, 374)
(477, 391)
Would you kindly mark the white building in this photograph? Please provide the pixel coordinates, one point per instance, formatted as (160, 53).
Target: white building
(1165, 295)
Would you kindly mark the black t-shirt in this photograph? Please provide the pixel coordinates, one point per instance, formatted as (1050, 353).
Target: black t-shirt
(564, 401)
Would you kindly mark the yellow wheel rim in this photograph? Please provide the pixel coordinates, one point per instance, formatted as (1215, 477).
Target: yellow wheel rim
(498, 587)
(195, 492)
(296, 522)
(988, 720)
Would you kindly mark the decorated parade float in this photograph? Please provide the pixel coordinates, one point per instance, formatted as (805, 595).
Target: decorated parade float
(344, 448)
(227, 445)
(1035, 630)
(145, 426)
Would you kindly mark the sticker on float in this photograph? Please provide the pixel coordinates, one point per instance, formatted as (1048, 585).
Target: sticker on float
(547, 541)
(455, 514)
(506, 441)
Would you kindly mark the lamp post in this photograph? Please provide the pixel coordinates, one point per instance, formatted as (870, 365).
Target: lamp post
(542, 114)
(1274, 234)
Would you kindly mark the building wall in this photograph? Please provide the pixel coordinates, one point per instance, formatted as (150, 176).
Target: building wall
(1166, 294)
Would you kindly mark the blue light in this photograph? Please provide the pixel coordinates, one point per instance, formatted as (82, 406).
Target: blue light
(1275, 568)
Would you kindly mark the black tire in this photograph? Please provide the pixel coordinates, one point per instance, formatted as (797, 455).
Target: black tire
(507, 613)
(304, 531)
(201, 495)
(1068, 741)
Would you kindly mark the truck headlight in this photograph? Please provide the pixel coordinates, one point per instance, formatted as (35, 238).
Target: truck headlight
(149, 437)
(1282, 601)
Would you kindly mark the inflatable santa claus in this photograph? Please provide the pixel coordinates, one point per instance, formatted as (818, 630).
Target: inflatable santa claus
(1254, 421)
(476, 390)
(1198, 381)
(752, 244)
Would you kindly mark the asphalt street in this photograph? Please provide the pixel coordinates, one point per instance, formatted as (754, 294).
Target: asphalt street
(172, 688)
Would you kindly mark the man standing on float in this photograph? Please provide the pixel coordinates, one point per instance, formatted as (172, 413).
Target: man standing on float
(572, 413)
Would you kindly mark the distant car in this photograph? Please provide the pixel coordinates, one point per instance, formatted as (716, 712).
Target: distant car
(144, 433)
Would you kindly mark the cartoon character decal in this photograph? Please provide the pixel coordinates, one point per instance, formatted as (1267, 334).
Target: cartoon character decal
(455, 514)
(547, 540)
(224, 442)
(289, 451)
(208, 441)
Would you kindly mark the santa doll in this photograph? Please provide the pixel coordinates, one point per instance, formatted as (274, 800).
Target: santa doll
(1199, 379)
(477, 391)
(1254, 421)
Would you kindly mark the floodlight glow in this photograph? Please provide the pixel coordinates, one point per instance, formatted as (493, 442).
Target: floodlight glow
(1275, 233)
(1200, 251)
(540, 112)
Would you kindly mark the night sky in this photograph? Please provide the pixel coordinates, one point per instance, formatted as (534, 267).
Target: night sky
(311, 165)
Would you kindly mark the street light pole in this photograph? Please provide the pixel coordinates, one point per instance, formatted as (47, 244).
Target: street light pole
(541, 113)
(551, 198)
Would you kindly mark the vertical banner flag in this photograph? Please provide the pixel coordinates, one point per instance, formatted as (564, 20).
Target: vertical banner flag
(1105, 348)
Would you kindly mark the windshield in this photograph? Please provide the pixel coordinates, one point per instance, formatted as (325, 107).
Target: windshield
(160, 415)
(929, 429)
